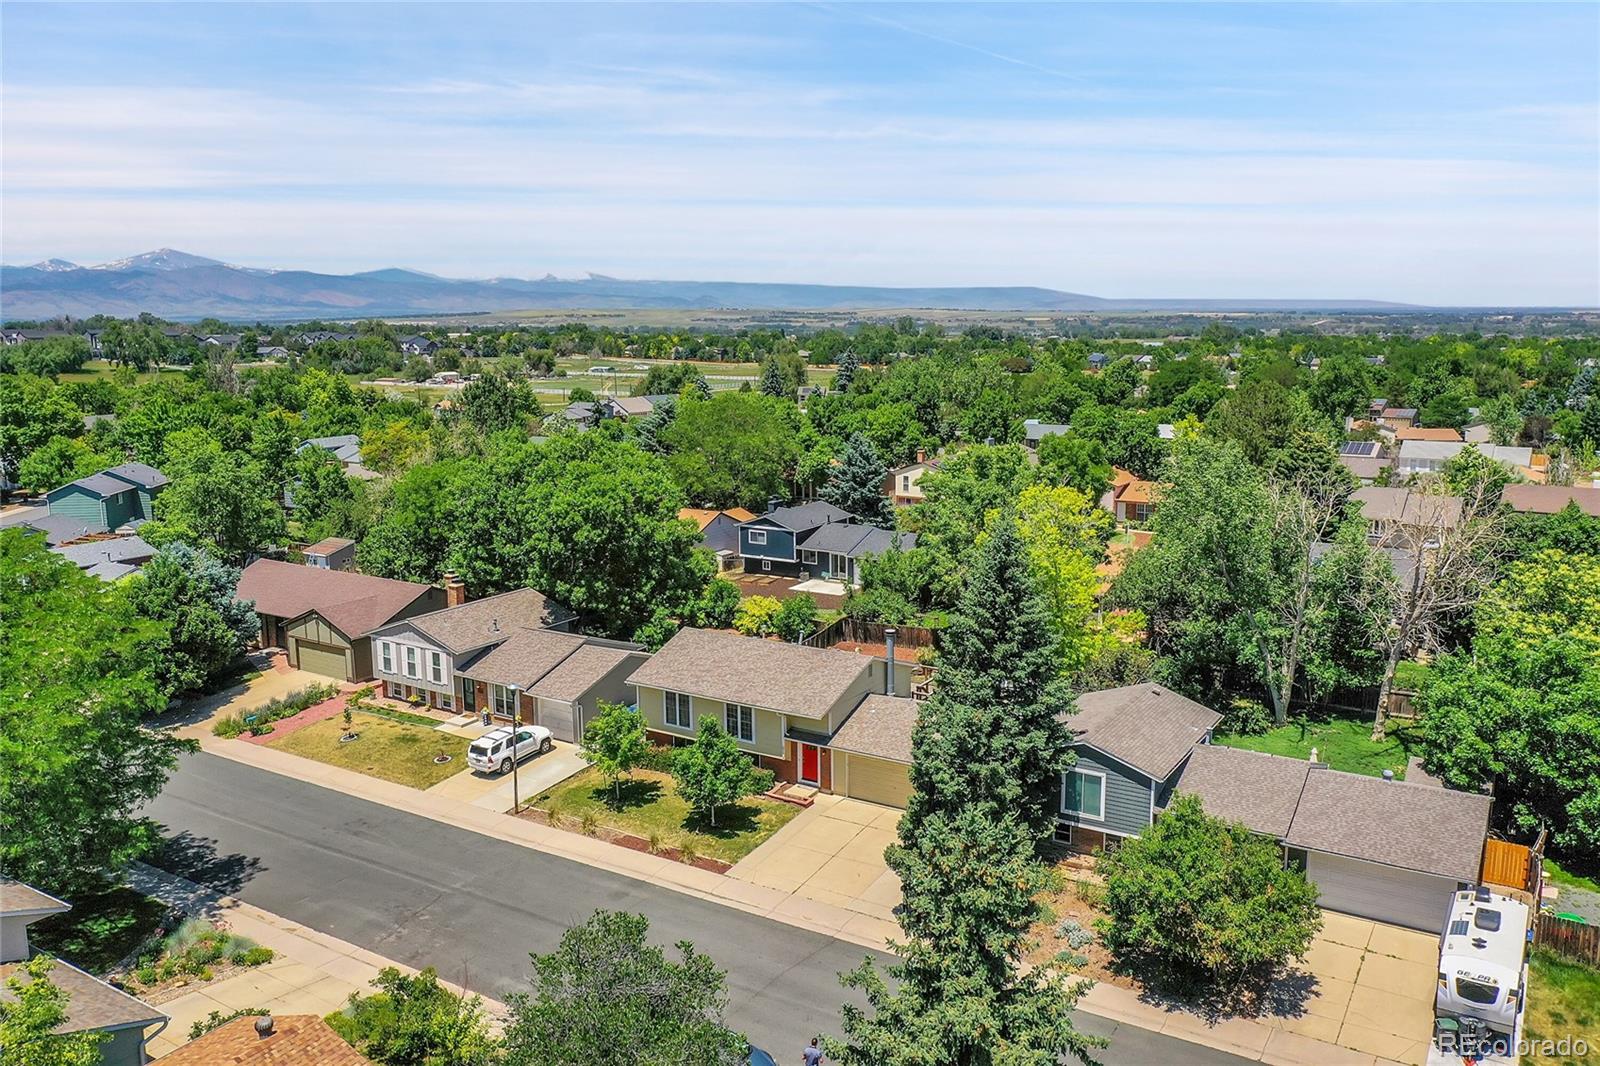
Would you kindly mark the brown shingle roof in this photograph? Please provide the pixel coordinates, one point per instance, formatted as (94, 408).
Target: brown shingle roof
(788, 678)
(1259, 790)
(1407, 506)
(1148, 726)
(1548, 499)
(478, 623)
(581, 671)
(17, 899)
(1412, 827)
(355, 603)
(327, 546)
(91, 1003)
(1426, 433)
(524, 657)
(296, 1040)
(881, 727)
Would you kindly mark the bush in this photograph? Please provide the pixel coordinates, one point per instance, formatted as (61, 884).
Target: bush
(228, 727)
(216, 1019)
(256, 956)
(1246, 718)
(283, 707)
(762, 780)
(1200, 903)
(1090, 892)
(658, 758)
(796, 618)
(1074, 934)
(755, 616)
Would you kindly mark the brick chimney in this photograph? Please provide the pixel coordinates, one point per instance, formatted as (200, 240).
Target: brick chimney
(455, 590)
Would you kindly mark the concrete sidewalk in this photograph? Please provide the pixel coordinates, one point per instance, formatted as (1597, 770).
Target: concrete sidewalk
(313, 973)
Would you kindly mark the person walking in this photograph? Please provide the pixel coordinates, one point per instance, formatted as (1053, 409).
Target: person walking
(812, 1056)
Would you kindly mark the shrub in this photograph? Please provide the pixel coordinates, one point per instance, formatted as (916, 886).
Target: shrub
(687, 852)
(284, 706)
(256, 956)
(1246, 717)
(228, 727)
(658, 758)
(796, 618)
(1074, 934)
(216, 1018)
(1090, 892)
(590, 822)
(754, 618)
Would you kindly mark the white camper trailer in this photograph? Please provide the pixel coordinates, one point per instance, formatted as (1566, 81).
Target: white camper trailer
(1483, 964)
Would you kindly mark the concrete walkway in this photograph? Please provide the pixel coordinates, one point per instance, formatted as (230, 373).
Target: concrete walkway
(313, 973)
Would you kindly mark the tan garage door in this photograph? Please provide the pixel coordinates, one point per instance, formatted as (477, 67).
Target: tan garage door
(325, 659)
(877, 780)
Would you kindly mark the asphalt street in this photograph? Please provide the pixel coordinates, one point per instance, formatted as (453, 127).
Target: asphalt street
(473, 907)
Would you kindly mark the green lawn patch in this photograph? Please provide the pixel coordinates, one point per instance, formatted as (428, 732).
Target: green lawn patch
(651, 808)
(395, 751)
(101, 929)
(1558, 874)
(1563, 1004)
(1342, 743)
(1408, 675)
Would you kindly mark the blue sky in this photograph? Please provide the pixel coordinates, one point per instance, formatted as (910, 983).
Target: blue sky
(1432, 153)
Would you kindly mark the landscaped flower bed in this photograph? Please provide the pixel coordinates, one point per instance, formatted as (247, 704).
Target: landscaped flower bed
(231, 725)
(196, 952)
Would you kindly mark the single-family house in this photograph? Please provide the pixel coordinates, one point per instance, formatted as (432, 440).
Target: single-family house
(346, 449)
(1376, 848)
(416, 344)
(1365, 459)
(324, 618)
(1034, 431)
(320, 336)
(54, 528)
(1430, 456)
(1130, 498)
(1397, 417)
(903, 485)
(1440, 433)
(269, 1040)
(331, 553)
(788, 706)
(550, 678)
(719, 530)
(423, 654)
(1098, 361)
(92, 1005)
(1386, 508)
(271, 351)
(1549, 499)
(813, 539)
(110, 559)
(111, 499)
(1130, 744)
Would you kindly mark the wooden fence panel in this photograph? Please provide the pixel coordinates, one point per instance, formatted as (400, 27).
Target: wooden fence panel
(1572, 940)
(1508, 864)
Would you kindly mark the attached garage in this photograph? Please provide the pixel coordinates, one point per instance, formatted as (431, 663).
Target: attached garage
(1383, 893)
(557, 717)
(326, 659)
(863, 777)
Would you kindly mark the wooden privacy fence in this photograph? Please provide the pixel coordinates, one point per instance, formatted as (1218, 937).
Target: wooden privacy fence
(859, 632)
(1508, 864)
(1569, 939)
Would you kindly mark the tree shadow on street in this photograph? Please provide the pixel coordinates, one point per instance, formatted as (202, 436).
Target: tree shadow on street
(197, 858)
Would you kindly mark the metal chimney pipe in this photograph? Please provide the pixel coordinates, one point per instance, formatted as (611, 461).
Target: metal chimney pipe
(888, 681)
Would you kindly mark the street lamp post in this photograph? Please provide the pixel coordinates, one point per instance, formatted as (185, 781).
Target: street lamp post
(516, 729)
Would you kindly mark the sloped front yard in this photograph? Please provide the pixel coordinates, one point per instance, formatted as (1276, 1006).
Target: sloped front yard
(651, 809)
(395, 751)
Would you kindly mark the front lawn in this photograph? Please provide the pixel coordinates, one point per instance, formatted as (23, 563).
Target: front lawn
(101, 929)
(394, 751)
(651, 808)
(1563, 1004)
(1342, 743)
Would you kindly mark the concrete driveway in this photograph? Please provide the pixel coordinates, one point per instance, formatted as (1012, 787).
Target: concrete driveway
(492, 792)
(831, 852)
(1374, 991)
(194, 718)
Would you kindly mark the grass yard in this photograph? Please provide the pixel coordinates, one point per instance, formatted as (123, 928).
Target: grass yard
(650, 808)
(395, 751)
(1342, 743)
(1563, 1004)
(101, 929)
(1559, 875)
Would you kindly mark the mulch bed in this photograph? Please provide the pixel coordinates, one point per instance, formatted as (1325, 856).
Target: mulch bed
(626, 840)
(317, 712)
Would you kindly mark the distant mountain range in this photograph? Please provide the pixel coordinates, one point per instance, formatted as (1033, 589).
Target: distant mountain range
(178, 285)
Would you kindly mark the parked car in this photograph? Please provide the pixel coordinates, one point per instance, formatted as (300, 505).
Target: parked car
(492, 752)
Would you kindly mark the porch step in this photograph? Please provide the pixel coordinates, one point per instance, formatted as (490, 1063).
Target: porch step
(802, 791)
(799, 795)
(460, 719)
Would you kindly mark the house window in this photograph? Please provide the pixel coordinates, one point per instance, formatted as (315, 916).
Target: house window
(677, 710)
(411, 662)
(386, 656)
(1083, 792)
(905, 482)
(436, 668)
(447, 702)
(766, 564)
(741, 722)
(807, 556)
(757, 536)
(500, 695)
(1063, 833)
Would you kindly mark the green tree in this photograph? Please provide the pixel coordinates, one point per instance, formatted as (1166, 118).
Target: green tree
(409, 540)
(849, 363)
(322, 495)
(649, 430)
(1065, 534)
(413, 1020)
(1069, 460)
(856, 484)
(29, 1016)
(607, 997)
(32, 411)
(207, 629)
(755, 616)
(733, 450)
(717, 605)
(614, 742)
(492, 403)
(218, 499)
(77, 679)
(1469, 470)
(58, 461)
(668, 379)
(772, 383)
(712, 772)
(958, 499)
(796, 618)
(1200, 903)
(1342, 386)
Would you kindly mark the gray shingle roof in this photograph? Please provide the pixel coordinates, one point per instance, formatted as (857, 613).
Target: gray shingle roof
(102, 485)
(806, 515)
(91, 1003)
(1035, 430)
(56, 528)
(1412, 827)
(1259, 790)
(880, 726)
(477, 623)
(1148, 726)
(140, 474)
(1407, 506)
(788, 678)
(586, 667)
(114, 550)
(848, 538)
(523, 658)
(18, 899)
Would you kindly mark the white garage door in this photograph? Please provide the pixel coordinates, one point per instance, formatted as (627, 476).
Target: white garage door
(1369, 890)
(557, 717)
(877, 780)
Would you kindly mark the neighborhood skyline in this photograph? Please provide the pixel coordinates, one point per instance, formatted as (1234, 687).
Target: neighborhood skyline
(1439, 156)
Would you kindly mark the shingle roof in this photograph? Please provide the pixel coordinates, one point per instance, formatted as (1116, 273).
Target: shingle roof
(806, 516)
(880, 726)
(579, 672)
(1035, 430)
(1427, 433)
(355, 603)
(849, 538)
(1548, 499)
(102, 485)
(1413, 827)
(523, 658)
(477, 623)
(91, 1003)
(1364, 467)
(140, 474)
(328, 545)
(788, 678)
(296, 1040)
(1148, 726)
(115, 550)
(1259, 790)
(1408, 506)
(17, 899)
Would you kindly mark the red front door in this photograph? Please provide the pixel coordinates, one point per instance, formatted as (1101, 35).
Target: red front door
(810, 764)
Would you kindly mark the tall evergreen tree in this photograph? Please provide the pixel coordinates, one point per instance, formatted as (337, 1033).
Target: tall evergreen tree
(648, 430)
(772, 382)
(849, 363)
(856, 484)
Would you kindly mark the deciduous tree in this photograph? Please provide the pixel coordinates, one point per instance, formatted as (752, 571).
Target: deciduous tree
(712, 772)
(614, 742)
(207, 628)
(30, 1015)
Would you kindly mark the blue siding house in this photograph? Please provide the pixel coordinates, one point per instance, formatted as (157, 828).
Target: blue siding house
(1131, 744)
(813, 540)
(110, 499)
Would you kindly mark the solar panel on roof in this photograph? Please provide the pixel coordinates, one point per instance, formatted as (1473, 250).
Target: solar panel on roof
(1359, 447)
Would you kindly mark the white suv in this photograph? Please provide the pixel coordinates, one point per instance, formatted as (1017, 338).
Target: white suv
(492, 751)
